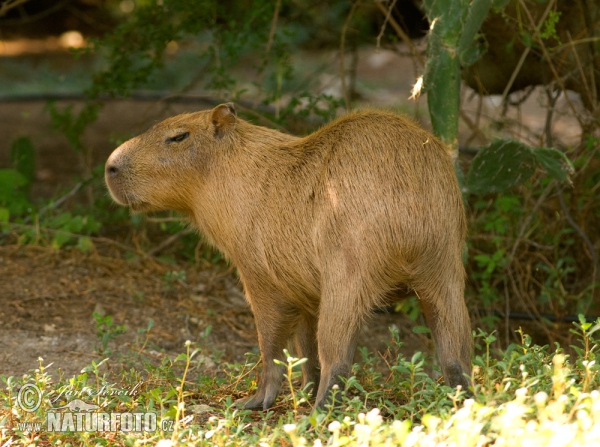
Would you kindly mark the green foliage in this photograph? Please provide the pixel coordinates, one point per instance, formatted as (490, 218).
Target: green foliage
(66, 229)
(15, 181)
(555, 163)
(12, 197)
(106, 331)
(504, 164)
(500, 166)
(71, 125)
(22, 158)
(171, 278)
(527, 394)
(549, 29)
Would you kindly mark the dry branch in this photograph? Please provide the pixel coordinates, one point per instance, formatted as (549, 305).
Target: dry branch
(10, 4)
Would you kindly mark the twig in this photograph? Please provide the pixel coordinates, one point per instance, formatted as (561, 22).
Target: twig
(507, 314)
(530, 309)
(166, 219)
(385, 22)
(260, 116)
(75, 235)
(517, 69)
(576, 42)
(56, 6)
(561, 200)
(548, 125)
(471, 125)
(273, 26)
(592, 97)
(66, 197)
(268, 50)
(579, 231)
(525, 241)
(168, 241)
(407, 40)
(10, 4)
(528, 219)
(345, 93)
(536, 32)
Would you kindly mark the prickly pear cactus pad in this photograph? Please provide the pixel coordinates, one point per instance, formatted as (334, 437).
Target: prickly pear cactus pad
(499, 166)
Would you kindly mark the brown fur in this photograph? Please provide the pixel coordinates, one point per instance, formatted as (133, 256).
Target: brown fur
(322, 228)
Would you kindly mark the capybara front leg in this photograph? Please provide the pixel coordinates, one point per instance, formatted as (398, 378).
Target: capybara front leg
(274, 325)
(306, 347)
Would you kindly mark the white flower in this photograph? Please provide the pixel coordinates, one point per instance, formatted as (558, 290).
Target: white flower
(521, 393)
(540, 398)
(334, 426)
(373, 418)
(289, 428)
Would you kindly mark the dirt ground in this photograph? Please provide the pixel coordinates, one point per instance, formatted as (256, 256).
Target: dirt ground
(48, 298)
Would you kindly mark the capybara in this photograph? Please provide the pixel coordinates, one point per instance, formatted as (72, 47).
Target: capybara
(322, 228)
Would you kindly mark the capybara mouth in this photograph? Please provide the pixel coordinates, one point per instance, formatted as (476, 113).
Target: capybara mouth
(139, 206)
(124, 199)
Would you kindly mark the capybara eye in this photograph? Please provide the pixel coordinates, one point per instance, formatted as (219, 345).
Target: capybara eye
(177, 138)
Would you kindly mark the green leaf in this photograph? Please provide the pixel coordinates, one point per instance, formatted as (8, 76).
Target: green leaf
(11, 196)
(22, 157)
(554, 162)
(527, 39)
(11, 179)
(499, 166)
(499, 5)
(60, 239)
(4, 214)
(85, 244)
(421, 330)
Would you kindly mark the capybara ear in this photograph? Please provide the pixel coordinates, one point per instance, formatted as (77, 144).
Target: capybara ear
(223, 118)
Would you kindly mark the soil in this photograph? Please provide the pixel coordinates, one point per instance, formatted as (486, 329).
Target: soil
(49, 298)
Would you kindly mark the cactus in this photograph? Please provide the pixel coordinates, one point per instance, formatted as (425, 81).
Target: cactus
(504, 164)
(500, 166)
(555, 163)
(452, 44)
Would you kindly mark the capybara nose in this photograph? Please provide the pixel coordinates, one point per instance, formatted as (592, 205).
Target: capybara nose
(111, 170)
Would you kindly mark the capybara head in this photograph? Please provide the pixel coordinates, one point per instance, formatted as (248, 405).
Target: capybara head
(152, 172)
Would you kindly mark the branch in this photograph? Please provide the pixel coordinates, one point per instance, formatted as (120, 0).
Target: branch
(10, 4)
(525, 53)
(405, 38)
(345, 93)
(388, 14)
(263, 70)
(557, 78)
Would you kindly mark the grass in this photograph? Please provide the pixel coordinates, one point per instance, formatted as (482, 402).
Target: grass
(526, 395)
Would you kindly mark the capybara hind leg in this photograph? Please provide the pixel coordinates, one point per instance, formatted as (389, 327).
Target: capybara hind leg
(340, 315)
(448, 320)
(274, 324)
(305, 342)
